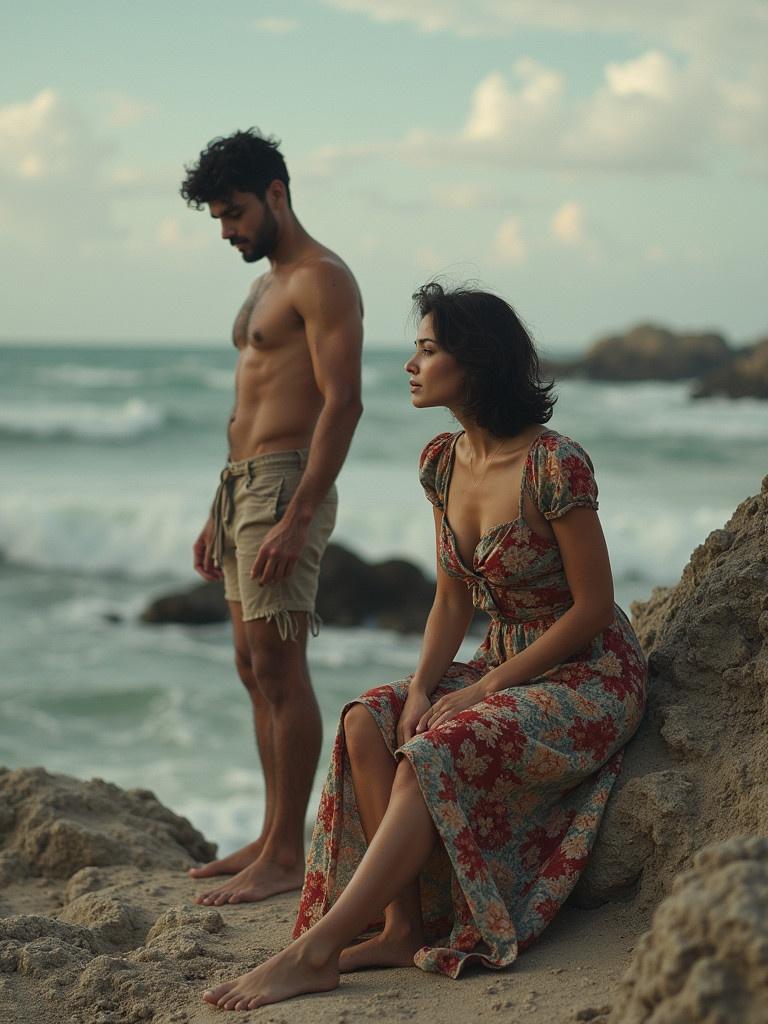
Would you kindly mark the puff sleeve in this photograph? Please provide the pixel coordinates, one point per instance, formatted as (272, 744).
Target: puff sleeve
(562, 476)
(433, 463)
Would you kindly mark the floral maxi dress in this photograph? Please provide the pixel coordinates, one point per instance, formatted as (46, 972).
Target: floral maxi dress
(517, 784)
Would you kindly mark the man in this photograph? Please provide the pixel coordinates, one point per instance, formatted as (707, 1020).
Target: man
(297, 402)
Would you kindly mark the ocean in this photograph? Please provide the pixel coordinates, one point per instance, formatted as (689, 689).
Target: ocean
(108, 461)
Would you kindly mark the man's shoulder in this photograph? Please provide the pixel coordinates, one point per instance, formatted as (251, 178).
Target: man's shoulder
(322, 272)
(321, 264)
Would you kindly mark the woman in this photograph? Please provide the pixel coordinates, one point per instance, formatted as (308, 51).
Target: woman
(462, 803)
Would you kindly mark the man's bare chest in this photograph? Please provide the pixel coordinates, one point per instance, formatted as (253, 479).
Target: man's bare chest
(267, 318)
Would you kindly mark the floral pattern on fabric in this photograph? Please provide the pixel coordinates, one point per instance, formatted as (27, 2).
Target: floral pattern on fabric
(517, 784)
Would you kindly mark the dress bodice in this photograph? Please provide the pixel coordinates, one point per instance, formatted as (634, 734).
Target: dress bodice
(516, 574)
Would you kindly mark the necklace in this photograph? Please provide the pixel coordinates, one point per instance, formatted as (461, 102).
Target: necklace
(486, 463)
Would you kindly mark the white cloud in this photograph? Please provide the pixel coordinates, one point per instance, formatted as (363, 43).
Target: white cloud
(428, 260)
(173, 233)
(690, 26)
(275, 25)
(509, 246)
(169, 235)
(497, 109)
(649, 114)
(127, 111)
(43, 138)
(567, 224)
(467, 195)
(61, 182)
(650, 75)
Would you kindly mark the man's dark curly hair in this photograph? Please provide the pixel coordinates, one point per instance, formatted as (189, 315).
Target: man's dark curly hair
(504, 391)
(244, 161)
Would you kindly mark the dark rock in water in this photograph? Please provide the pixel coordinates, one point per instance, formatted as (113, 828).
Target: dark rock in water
(391, 595)
(648, 352)
(197, 606)
(745, 375)
(394, 594)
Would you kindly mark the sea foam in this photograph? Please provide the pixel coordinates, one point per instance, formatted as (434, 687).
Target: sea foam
(79, 421)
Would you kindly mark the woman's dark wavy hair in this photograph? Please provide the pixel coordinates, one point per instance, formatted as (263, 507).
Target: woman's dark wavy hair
(504, 389)
(246, 161)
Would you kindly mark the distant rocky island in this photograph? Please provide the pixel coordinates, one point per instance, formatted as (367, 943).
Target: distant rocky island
(651, 352)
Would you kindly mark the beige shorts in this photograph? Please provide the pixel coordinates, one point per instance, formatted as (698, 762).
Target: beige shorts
(252, 497)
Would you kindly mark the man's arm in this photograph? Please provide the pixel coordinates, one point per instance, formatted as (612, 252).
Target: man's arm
(326, 298)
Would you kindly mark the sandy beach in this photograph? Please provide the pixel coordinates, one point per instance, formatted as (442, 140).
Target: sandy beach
(576, 967)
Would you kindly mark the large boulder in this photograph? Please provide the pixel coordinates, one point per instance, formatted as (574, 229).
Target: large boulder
(745, 375)
(697, 770)
(648, 352)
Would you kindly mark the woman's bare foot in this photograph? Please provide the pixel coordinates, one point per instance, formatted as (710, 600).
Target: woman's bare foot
(230, 865)
(290, 973)
(384, 950)
(258, 881)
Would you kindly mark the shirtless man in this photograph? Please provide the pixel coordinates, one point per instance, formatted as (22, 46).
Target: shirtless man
(297, 402)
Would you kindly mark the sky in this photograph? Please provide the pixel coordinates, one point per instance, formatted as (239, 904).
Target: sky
(598, 164)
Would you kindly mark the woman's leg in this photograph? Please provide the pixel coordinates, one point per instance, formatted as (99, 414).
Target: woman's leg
(373, 773)
(397, 853)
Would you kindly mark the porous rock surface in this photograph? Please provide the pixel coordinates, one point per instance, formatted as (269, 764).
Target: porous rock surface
(51, 826)
(106, 950)
(697, 770)
(705, 958)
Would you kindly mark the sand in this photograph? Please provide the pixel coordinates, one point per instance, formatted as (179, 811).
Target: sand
(667, 926)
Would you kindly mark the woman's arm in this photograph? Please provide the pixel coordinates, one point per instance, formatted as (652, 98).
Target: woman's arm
(446, 627)
(588, 571)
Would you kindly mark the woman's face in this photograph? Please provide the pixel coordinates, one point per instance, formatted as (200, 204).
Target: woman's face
(436, 377)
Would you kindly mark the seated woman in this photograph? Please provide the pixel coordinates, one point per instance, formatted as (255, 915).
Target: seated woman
(462, 803)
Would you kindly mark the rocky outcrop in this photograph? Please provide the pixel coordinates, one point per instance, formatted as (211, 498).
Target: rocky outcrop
(697, 769)
(52, 826)
(648, 352)
(705, 958)
(394, 594)
(743, 376)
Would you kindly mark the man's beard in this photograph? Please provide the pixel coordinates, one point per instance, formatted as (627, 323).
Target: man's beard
(264, 244)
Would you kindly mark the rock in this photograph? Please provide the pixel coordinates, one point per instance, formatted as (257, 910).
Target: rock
(705, 958)
(697, 769)
(197, 606)
(744, 375)
(394, 594)
(648, 352)
(61, 825)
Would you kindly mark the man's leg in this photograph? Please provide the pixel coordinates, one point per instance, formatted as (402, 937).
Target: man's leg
(262, 725)
(282, 677)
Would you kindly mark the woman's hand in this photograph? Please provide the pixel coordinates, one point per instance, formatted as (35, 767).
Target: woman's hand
(451, 705)
(417, 703)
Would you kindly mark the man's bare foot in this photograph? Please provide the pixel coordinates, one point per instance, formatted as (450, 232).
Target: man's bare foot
(383, 950)
(288, 974)
(230, 865)
(256, 882)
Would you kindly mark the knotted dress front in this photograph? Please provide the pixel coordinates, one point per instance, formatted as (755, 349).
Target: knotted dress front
(517, 784)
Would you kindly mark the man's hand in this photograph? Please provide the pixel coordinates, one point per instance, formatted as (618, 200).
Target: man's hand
(202, 551)
(452, 704)
(279, 552)
(417, 704)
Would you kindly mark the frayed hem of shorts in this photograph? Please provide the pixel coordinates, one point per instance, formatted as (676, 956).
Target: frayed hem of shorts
(287, 623)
